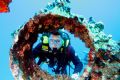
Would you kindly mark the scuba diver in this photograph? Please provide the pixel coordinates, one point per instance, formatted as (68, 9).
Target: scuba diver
(55, 49)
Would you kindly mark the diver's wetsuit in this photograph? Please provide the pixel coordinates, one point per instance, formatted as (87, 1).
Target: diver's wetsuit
(61, 59)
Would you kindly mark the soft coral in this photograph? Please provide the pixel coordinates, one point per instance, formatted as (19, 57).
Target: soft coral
(4, 5)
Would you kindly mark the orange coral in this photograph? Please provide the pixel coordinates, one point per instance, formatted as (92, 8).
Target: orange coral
(4, 5)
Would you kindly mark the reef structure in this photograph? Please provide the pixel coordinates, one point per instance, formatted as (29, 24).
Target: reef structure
(104, 54)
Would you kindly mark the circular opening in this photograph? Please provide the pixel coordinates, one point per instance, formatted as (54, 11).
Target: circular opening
(20, 53)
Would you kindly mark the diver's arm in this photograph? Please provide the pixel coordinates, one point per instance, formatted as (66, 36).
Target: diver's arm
(36, 51)
(76, 61)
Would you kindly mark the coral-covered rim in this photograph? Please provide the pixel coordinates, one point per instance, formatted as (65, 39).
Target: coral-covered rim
(23, 66)
(27, 36)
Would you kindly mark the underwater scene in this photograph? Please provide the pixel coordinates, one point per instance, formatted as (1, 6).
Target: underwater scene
(60, 40)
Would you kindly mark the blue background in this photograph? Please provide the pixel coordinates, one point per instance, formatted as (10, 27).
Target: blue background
(107, 11)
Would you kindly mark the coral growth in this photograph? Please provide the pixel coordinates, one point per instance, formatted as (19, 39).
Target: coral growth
(4, 5)
(104, 55)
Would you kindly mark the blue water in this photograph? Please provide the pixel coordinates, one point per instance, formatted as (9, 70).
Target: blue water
(21, 10)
